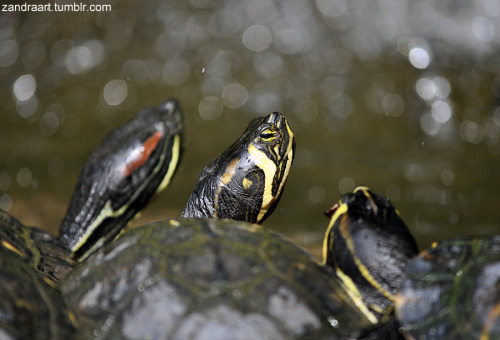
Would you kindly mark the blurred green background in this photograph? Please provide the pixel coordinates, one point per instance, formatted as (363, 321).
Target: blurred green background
(401, 96)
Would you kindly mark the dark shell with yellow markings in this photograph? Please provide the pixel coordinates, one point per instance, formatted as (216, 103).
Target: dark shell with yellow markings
(30, 308)
(39, 249)
(208, 279)
(452, 291)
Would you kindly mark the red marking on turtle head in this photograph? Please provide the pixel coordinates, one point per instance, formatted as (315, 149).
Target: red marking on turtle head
(142, 154)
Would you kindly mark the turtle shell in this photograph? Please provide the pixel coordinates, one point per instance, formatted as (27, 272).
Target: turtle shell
(29, 307)
(452, 291)
(208, 279)
(39, 249)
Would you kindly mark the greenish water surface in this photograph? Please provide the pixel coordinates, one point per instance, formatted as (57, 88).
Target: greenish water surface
(401, 96)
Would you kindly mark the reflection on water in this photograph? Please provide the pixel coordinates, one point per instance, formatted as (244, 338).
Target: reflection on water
(401, 96)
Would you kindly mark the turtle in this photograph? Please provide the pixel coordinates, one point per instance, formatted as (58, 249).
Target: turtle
(206, 279)
(245, 181)
(369, 245)
(129, 166)
(452, 290)
(199, 278)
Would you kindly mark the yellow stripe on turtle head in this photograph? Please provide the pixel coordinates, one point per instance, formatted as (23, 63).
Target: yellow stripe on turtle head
(366, 192)
(267, 165)
(328, 240)
(172, 166)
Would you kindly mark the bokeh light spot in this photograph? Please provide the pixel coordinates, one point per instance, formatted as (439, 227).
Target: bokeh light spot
(24, 87)
(115, 92)
(5, 202)
(268, 64)
(332, 8)
(316, 195)
(419, 58)
(210, 108)
(393, 105)
(234, 95)
(483, 29)
(24, 177)
(257, 38)
(80, 59)
(346, 184)
(441, 111)
(447, 177)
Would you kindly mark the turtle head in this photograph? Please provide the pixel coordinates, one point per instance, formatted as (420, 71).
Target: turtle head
(130, 165)
(369, 245)
(246, 181)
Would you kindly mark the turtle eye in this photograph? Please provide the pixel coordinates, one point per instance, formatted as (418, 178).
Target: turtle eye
(269, 135)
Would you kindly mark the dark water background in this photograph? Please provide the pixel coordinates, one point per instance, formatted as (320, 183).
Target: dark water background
(399, 95)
